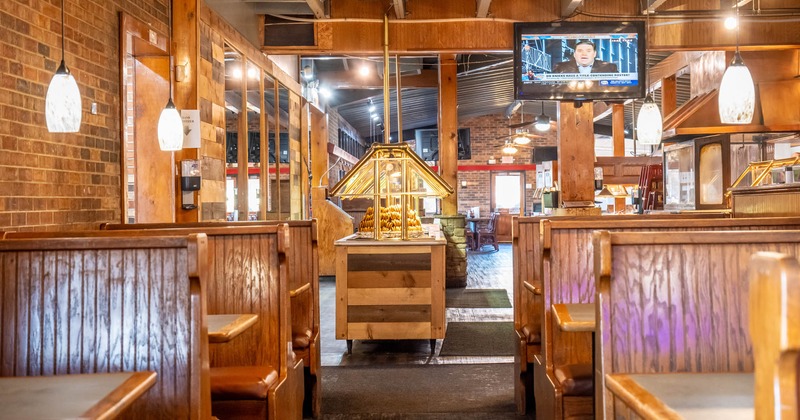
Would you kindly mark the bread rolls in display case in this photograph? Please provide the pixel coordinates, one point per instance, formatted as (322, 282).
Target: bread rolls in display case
(397, 180)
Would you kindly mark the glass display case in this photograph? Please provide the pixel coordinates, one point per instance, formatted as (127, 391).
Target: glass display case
(397, 180)
(697, 173)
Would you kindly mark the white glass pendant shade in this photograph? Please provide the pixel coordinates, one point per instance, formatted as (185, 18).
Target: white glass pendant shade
(737, 97)
(522, 139)
(649, 124)
(63, 103)
(542, 123)
(170, 128)
(509, 149)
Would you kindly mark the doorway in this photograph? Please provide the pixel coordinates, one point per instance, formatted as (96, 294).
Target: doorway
(508, 191)
(147, 195)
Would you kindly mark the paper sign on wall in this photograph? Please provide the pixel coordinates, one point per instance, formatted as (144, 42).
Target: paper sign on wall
(191, 128)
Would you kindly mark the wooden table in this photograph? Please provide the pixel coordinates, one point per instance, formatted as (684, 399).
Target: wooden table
(93, 395)
(224, 328)
(575, 317)
(686, 395)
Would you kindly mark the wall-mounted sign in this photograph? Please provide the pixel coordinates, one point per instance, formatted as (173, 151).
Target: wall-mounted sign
(191, 128)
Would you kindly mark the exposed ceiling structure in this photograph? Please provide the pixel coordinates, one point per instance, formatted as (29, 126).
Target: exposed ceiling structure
(485, 81)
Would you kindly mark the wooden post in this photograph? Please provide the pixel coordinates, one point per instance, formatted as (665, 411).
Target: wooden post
(305, 170)
(618, 135)
(186, 51)
(576, 158)
(669, 95)
(319, 147)
(448, 130)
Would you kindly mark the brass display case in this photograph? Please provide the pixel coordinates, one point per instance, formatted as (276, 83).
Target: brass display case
(396, 179)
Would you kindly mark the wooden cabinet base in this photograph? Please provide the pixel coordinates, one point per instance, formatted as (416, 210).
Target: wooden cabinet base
(389, 290)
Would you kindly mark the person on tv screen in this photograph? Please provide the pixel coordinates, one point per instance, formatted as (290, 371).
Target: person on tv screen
(584, 61)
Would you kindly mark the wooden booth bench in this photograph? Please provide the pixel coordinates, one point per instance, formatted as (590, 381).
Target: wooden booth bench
(674, 303)
(303, 282)
(79, 306)
(528, 286)
(256, 374)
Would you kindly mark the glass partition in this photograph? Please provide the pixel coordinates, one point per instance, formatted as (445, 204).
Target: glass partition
(253, 112)
(267, 153)
(235, 150)
(282, 153)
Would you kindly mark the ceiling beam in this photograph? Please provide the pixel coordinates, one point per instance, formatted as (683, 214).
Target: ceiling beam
(482, 8)
(350, 80)
(317, 7)
(652, 5)
(399, 8)
(569, 6)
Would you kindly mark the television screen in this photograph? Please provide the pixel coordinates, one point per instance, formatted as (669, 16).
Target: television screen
(579, 60)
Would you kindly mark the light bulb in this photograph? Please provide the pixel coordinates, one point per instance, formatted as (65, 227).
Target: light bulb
(731, 22)
(509, 149)
(522, 139)
(542, 123)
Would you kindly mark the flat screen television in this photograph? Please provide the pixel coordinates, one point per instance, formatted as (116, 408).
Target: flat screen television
(579, 60)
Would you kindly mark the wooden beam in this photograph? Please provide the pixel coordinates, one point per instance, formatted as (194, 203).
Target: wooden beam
(669, 94)
(317, 7)
(576, 154)
(399, 8)
(350, 80)
(448, 129)
(569, 6)
(482, 8)
(652, 5)
(490, 35)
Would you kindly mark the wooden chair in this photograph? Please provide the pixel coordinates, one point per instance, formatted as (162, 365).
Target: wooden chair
(469, 238)
(488, 235)
(94, 305)
(775, 333)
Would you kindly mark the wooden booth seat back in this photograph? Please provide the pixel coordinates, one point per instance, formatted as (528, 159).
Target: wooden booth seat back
(109, 305)
(675, 303)
(568, 267)
(528, 286)
(302, 261)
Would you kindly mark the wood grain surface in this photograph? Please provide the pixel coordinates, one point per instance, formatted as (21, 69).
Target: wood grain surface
(302, 259)
(85, 305)
(677, 302)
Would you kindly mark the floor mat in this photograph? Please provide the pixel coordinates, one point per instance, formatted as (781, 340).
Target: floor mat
(477, 298)
(479, 388)
(478, 339)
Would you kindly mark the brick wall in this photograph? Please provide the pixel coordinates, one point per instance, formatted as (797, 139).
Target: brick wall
(62, 181)
(486, 142)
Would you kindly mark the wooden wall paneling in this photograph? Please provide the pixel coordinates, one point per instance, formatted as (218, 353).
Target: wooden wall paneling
(68, 307)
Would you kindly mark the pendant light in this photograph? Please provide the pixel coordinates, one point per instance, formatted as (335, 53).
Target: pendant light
(170, 124)
(650, 123)
(737, 97)
(509, 148)
(521, 136)
(542, 121)
(63, 100)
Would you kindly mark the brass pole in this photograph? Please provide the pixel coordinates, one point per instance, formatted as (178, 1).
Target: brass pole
(399, 100)
(387, 100)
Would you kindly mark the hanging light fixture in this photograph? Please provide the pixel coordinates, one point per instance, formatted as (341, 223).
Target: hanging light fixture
(650, 123)
(63, 100)
(509, 148)
(737, 97)
(521, 138)
(170, 124)
(542, 121)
